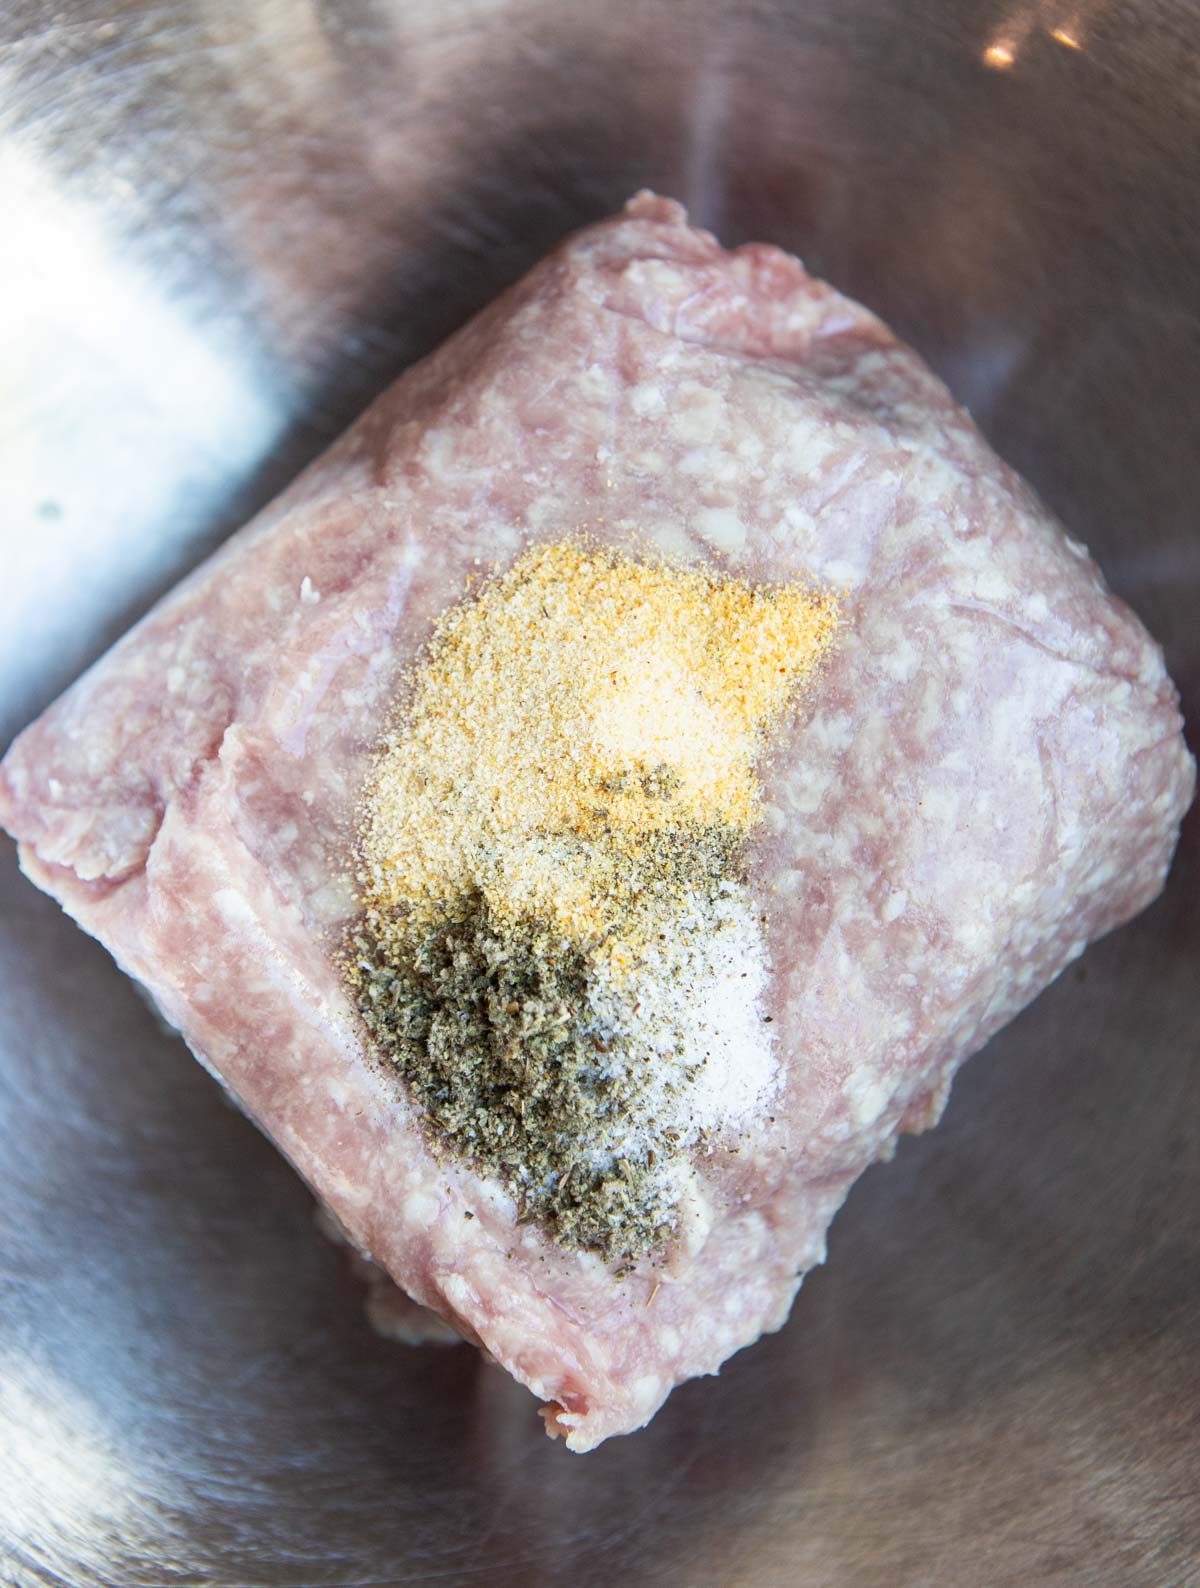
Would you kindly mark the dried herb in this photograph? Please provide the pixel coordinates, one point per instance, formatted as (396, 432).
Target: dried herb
(493, 1029)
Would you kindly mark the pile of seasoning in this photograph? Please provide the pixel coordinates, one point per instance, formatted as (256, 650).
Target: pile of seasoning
(557, 950)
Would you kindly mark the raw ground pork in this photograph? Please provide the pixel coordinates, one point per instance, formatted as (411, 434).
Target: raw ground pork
(989, 774)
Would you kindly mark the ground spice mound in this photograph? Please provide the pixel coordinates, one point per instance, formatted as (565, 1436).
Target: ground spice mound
(557, 950)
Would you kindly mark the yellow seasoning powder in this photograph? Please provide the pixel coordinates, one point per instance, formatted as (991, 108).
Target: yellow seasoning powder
(557, 950)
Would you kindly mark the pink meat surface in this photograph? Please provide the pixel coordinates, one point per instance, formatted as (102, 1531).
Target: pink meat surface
(989, 773)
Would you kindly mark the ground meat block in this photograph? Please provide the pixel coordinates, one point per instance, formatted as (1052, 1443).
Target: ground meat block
(988, 774)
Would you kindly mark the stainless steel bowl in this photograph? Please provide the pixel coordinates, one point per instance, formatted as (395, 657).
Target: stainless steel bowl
(224, 226)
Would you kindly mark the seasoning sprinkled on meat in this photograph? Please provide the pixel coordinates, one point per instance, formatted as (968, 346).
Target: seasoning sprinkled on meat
(557, 953)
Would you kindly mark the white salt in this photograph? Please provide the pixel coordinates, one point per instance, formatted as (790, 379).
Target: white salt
(692, 1027)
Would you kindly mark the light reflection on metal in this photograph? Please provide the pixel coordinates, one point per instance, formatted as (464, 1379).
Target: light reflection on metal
(1000, 55)
(1010, 38)
(154, 404)
(70, 1462)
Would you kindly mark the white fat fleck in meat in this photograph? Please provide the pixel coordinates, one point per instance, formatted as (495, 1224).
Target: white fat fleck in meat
(421, 1209)
(721, 528)
(895, 905)
(233, 906)
(647, 400)
(696, 414)
(867, 1096)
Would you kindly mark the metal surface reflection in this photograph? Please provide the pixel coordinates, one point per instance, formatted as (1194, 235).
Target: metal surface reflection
(225, 227)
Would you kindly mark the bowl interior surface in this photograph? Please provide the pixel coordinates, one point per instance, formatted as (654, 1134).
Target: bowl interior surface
(226, 227)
